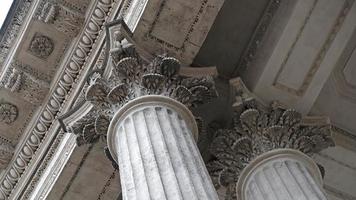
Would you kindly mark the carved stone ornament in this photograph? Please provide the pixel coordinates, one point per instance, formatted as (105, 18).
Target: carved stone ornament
(12, 80)
(27, 149)
(8, 112)
(127, 76)
(258, 129)
(41, 46)
(6, 153)
(64, 18)
(28, 83)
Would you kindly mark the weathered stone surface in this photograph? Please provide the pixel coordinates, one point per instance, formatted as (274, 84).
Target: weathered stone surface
(127, 76)
(153, 140)
(65, 17)
(258, 129)
(8, 112)
(153, 166)
(41, 46)
(281, 174)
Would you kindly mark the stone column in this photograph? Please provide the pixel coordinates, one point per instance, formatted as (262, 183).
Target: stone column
(281, 174)
(140, 104)
(152, 138)
(265, 156)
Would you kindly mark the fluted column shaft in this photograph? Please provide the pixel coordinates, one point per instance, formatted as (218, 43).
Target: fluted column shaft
(281, 175)
(156, 151)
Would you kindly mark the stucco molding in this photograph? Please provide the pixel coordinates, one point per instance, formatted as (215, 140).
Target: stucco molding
(258, 36)
(27, 149)
(320, 55)
(13, 30)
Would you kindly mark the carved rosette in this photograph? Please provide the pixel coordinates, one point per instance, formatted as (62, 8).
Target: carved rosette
(128, 76)
(8, 113)
(61, 88)
(257, 130)
(41, 46)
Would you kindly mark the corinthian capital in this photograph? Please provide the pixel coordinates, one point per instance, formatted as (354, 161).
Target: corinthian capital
(258, 129)
(128, 75)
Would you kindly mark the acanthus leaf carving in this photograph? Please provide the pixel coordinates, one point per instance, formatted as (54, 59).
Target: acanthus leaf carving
(258, 129)
(128, 75)
(55, 102)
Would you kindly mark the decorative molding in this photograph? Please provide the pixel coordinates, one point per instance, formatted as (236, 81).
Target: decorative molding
(54, 147)
(181, 48)
(183, 38)
(62, 88)
(27, 69)
(320, 55)
(6, 153)
(80, 165)
(258, 35)
(50, 153)
(22, 79)
(20, 14)
(43, 6)
(62, 16)
(258, 129)
(342, 86)
(108, 183)
(337, 193)
(131, 12)
(41, 46)
(13, 29)
(12, 80)
(344, 138)
(8, 112)
(339, 162)
(128, 76)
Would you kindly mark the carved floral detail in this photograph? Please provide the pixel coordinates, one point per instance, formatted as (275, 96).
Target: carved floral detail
(12, 30)
(27, 149)
(8, 113)
(256, 130)
(132, 77)
(64, 18)
(124, 74)
(41, 46)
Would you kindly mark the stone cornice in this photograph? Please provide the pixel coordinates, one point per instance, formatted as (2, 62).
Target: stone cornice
(39, 185)
(258, 36)
(61, 90)
(17, 22)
